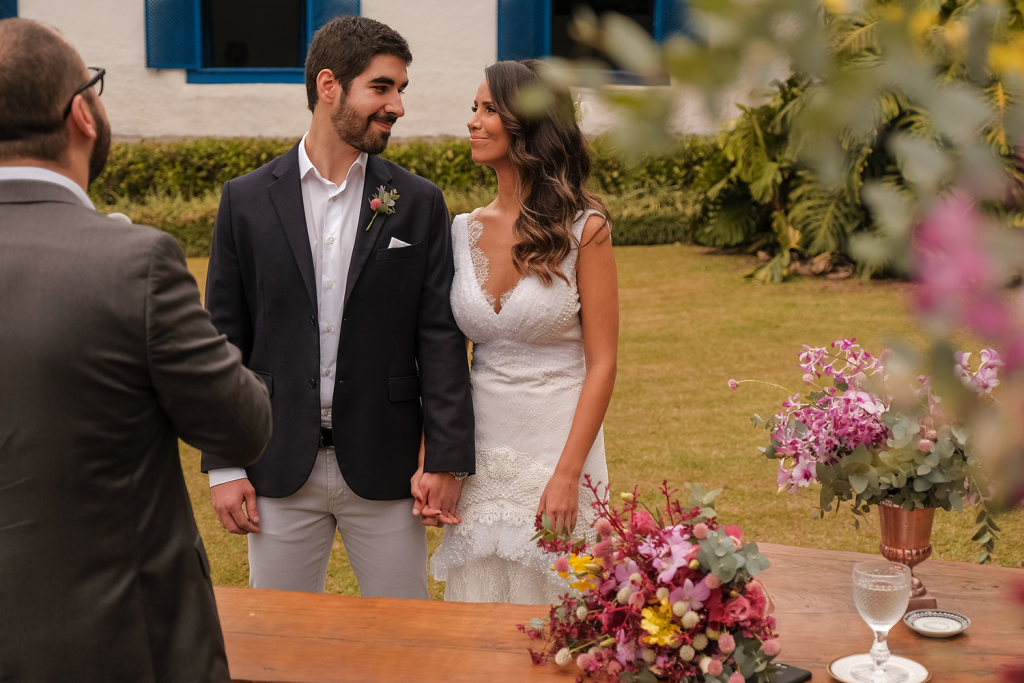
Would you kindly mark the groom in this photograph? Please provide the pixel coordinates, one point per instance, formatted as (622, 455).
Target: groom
(341, 305)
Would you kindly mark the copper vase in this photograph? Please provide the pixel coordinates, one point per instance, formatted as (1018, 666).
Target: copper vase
(906, 538)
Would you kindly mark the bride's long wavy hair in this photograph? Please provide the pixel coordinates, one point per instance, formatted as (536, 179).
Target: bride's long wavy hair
(552, 164)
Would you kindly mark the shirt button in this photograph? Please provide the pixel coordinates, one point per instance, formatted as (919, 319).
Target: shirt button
(312, 320)
(327, 373)
(330, 240)
(329, 328)
(330, 285)
(312, 382)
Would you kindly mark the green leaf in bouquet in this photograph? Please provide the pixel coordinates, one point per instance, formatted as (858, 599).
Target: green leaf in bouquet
(545, 522)
(921, 484)
(859, 482)
(957, 501)
(709, 513)
(537, 624)
(923, 470)
(709, 498)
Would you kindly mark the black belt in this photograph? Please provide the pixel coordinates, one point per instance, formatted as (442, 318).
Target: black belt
(326, 438)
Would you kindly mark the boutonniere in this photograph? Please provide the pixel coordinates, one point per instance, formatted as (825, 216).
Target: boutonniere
(382, 203)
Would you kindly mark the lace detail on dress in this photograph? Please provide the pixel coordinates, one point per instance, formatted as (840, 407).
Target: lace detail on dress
(527, 374)
(481, 265)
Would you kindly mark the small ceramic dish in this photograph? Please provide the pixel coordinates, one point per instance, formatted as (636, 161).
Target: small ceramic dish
(936, 623)
(842, 669)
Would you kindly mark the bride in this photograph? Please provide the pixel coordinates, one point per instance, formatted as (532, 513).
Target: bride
(535, 290)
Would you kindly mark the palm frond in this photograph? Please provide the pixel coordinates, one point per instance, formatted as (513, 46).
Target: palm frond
(824, 218)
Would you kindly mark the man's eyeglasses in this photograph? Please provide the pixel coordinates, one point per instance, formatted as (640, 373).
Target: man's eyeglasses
(96, 80)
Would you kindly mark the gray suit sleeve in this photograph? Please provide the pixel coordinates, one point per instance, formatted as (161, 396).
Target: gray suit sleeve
(214, 403)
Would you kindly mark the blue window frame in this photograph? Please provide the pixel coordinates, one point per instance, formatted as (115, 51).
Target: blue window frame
(8, 9)
(179, 36)
(525, 26)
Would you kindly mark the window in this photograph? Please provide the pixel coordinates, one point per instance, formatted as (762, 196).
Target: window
(539, 28)
(236, 41)
(640, 11)
(242, 34)
(8, 9)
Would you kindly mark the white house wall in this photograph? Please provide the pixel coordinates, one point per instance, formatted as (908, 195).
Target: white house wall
(451, 41)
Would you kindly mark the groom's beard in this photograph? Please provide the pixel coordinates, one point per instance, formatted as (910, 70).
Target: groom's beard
(359, 132)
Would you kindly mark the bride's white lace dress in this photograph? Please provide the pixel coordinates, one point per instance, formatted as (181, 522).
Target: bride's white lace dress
(527, 373)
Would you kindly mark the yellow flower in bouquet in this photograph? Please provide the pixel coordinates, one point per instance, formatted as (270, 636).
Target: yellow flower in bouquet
(586, 580)
(657, 621)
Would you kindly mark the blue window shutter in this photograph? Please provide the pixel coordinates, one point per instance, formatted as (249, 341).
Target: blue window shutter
(173, 34)
(319, 12)
(524, 29)
(671, 18)
(8, 9)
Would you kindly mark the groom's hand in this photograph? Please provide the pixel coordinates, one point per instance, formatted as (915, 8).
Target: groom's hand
(227, 501)
(440, 491)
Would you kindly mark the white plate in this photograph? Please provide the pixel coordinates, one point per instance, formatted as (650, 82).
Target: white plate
(840, 668)
(936, 623)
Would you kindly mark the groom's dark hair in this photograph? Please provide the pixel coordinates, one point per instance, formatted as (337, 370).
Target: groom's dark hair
(38, 72)
(346, 46)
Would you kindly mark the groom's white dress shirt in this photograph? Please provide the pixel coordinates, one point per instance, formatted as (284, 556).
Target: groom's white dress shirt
(47, 176)
(332, 217)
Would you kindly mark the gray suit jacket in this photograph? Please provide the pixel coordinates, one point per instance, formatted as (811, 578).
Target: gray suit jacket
(106, 358)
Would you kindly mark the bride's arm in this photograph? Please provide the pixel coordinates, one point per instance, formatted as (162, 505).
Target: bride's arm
(599, 302)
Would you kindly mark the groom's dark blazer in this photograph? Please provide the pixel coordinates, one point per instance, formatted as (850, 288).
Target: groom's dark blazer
(399, 340)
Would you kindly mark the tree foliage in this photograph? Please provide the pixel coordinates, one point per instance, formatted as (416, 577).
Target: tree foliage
(760, 188)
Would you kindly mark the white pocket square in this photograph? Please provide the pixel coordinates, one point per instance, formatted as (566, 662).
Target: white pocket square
(396, 243)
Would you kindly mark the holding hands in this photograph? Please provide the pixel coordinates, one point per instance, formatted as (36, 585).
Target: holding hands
(436, 495)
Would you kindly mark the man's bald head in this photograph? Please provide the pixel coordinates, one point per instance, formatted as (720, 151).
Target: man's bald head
(39, 71)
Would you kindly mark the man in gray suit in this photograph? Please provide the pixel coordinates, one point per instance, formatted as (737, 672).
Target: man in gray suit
(106, 358)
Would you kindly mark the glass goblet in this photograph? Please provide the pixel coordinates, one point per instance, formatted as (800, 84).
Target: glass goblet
(881, 591)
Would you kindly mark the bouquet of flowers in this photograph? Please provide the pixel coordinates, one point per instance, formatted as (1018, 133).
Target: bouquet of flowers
(666, 595)
(868, 434)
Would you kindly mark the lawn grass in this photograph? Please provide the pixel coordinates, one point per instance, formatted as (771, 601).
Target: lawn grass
(690, 322)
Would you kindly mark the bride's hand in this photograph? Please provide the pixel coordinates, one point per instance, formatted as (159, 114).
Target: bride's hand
(560, 500)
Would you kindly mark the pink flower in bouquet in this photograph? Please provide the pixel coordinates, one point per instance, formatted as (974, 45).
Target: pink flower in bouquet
(771, 647)
(726, 643)
(584, 661)
(604, 527)
(712, 582)
(925, 446)
(561, 565)
(757, 598)
(734, 531)
(604, 550)
(715, 667)
(737, 677)
(805, 473)
(700, 531)
(374, 204)
(679, 557)
(637, 601)
(733, 384)
(985, 380)
(693, 596)
(737, 609)
(643, 523)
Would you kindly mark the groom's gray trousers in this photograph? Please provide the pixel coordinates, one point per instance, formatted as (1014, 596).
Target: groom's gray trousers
(385, 542)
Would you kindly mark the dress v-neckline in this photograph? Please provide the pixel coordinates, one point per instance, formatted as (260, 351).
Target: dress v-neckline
(481, 266)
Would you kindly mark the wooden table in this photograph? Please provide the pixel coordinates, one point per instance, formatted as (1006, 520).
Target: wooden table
(281, 637)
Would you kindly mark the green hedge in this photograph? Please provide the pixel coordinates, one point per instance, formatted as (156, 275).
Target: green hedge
(175, 186)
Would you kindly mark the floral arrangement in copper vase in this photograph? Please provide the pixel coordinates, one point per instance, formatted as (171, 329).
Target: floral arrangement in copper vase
(872, 432)
(663, 595)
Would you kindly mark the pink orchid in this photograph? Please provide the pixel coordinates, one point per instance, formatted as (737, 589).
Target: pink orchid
(693, 596)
